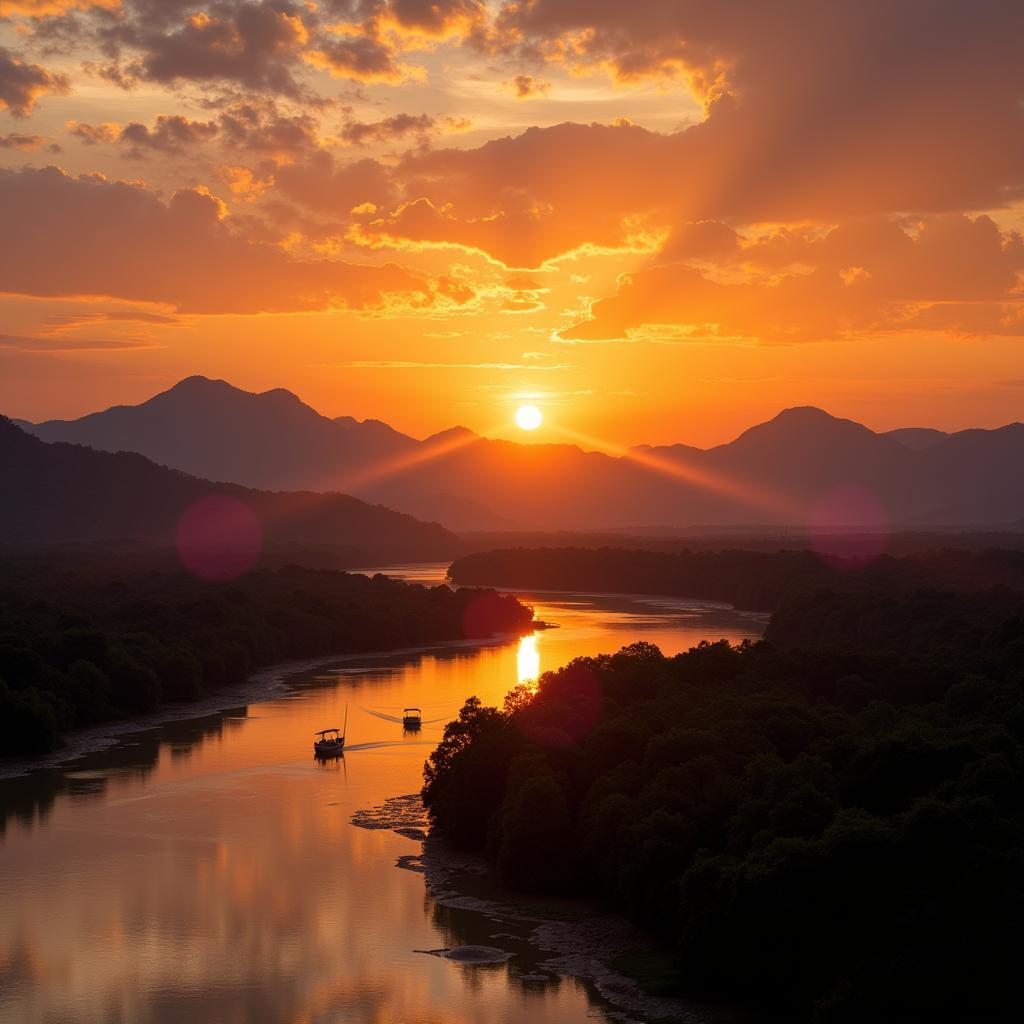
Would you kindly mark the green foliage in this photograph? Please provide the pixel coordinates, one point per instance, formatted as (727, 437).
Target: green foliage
(80, 644)
(536, 843)
(28, 721)
(831, 828)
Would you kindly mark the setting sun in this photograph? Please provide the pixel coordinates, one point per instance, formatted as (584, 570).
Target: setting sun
(528, 417)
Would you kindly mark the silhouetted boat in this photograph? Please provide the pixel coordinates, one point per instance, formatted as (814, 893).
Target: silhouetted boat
(331, 742)
(412, 718)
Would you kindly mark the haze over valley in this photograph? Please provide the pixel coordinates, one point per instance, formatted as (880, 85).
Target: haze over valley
(802, 467)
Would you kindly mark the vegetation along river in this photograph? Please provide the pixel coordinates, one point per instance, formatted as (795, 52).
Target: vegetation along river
(208, 868)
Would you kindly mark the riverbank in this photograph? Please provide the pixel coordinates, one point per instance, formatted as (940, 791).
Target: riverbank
(539, 938)
(82, 649)
(268, 683)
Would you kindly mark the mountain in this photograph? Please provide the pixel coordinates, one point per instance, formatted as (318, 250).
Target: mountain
(218, 432)
(917, 438)
(802, 464)
(60, 492)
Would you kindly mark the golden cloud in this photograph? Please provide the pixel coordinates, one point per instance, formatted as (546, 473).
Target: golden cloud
(953, 273)
(91, 236)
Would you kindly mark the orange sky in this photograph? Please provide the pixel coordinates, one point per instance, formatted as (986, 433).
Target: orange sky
(659, 221)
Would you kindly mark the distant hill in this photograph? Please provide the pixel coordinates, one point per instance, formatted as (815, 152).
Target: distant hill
(69, 493)
(802, 465)
(215, 431)
(917, 438)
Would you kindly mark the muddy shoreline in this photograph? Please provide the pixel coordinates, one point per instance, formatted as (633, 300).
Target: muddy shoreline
(536, 939)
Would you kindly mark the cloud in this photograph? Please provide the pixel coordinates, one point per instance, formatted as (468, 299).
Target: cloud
(51, 8)
(325, 185)
(820, 115)
(67, 321)
(261, 45)
(527, 87)
(113, 73)
(257, 125)
(367, 40)
(360, 133)
(400, 126)
(531, 198)
(21, 84)
(821, 111)
(91, 236)
(93, 134)
(430, 19)
(952, 273)
(28, 143)
(438, 19)
(256, 45)
(171, 133)
(260, 125)
(361, 59)
(407, 364)
(31, 345)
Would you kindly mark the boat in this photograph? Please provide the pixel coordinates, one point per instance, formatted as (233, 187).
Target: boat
(412, 718)
(331, 742)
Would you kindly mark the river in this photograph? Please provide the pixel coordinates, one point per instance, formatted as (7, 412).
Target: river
(207, 870)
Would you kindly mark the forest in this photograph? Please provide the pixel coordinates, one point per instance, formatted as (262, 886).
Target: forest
(826, 824)
(83, 640)
(750, 579)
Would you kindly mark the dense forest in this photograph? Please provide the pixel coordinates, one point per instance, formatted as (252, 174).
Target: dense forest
(747, 538)
(754, 580)
(82, 642)
(827, 823)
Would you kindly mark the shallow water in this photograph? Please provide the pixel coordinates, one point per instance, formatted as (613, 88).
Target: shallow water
(207, 870)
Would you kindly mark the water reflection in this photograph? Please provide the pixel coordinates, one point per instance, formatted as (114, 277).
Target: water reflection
(208, 869)
(29, 799)
(528, 660)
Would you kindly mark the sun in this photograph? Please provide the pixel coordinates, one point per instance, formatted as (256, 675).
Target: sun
(528, 417)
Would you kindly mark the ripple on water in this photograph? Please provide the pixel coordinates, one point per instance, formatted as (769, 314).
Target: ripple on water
(473, 955)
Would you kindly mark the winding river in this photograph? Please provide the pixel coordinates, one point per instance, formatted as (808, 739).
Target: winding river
(207, 869)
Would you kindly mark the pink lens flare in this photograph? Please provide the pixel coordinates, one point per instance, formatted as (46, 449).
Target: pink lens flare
(219, 538)
(848, 527)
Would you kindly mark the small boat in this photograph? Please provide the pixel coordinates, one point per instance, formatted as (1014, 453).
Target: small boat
(412, 718)
(331, 742)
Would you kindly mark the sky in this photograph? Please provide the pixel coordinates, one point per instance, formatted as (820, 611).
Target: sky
(657, 221)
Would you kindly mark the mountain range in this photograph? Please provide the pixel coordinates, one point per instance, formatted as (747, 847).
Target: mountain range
(61, 493)
(800, 465)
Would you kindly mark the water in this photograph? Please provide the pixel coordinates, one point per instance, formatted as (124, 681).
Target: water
(207, 870)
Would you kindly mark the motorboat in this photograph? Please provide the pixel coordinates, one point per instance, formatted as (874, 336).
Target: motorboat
(331, 742)
(412, 718)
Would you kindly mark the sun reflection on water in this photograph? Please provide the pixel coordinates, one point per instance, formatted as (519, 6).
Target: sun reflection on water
(528, 660)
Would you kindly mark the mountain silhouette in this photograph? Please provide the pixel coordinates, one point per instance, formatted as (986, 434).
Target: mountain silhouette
(917, 438)
(219, 432)
(778, 473)
(60, 492)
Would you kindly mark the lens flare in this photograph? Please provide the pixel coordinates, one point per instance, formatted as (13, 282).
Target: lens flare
(849, 527)
(219, 538)
(528, 417)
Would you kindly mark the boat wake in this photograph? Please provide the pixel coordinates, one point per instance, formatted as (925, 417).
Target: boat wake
(398, 718)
